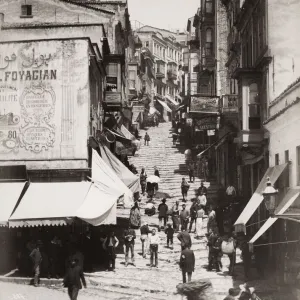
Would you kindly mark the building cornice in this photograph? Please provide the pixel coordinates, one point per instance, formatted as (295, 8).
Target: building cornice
(86, 5)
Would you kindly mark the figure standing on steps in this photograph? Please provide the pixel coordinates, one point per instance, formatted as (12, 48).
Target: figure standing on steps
(110, 244)
(175, 215)
(144, 238)
(129, 238)
(36, 257)
(184, 189)
(143, 180)
(184, 217)
(191, 170)
(185, 239)
(154, 241)
(162, 214)
(156, 173)
(187, 263)
(169, 232)
(147, 139)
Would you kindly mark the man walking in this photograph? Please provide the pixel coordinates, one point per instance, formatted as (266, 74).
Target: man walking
(147, 139)
(187, 264)
(129, 238)
(184, 217)
(36, 257)
(73, 278)
(191, 169)
(162, 214)
(144, 237)
(154, 242)
(175, 216)
(143, 180)
(193, 214)
(184, 189)
(185, 239)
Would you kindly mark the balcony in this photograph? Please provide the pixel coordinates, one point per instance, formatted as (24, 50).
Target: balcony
(229, 104)
(113, 100)
(160, 73)
(172, 74)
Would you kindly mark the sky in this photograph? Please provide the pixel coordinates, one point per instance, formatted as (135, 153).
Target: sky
(166, 14)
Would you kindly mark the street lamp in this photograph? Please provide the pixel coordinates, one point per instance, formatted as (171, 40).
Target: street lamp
(270, 197)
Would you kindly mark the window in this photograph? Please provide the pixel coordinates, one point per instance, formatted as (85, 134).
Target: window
(147, 44)
(254, 107)
(287, 171)
(233, 87)
(112, 77)
(286, 156)
(209, 6)
(132, 76)
(277, 159)
(26, 10)
(204, 89)
(209, 42)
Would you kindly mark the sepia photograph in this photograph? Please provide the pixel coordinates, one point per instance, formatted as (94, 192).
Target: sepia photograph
(149, 150)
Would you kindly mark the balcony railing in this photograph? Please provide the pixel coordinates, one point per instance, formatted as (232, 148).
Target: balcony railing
(172, 74)
(229, 104)
(113, 98)
(160, 73)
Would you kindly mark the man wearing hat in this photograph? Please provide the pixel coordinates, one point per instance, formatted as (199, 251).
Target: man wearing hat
(36, 257)
(184, 217)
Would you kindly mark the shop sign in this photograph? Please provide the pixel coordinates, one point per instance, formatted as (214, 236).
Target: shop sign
(208, 123)
(204, 104)
(43, 94)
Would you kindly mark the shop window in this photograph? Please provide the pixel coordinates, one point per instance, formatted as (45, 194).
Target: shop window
(209, 6)
(209, 42)
(254, 107)
(112, 78)
(26, 11)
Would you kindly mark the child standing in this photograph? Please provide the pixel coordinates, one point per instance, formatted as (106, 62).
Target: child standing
(169, 232)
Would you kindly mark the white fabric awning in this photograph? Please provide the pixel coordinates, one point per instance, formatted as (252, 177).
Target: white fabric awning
(10, 194)
(165, 106)
(102, 173)
(49, 203)
(257, 197)
(153, 111)
(127, 133)
(284, 205)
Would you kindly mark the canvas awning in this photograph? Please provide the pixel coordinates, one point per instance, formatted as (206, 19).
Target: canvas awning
(127, 133)
(10, 194)
(173, 102)
(103, 173)
(131, 181)
(257, 197)
(119, 136)
(58, 203)
(153, 111)
(136, 116)
(125, 149)
(212, 145)
(165, 106)
(291, 196)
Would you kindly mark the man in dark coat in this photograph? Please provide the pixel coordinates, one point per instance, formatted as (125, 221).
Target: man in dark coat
(185, 239)
(129, 241)
(184, 217)
(73, 278)
(162, 213)
(36, 257)
(193, 214)
(187, 264)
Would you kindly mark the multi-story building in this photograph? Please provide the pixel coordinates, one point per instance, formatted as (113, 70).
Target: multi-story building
(167, 55)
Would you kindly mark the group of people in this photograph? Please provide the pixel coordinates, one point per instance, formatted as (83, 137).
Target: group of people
(150, 187)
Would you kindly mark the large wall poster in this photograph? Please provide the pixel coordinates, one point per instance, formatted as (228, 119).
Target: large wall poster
(44, 100)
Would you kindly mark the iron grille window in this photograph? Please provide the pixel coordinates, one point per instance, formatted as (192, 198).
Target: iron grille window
(26, 10)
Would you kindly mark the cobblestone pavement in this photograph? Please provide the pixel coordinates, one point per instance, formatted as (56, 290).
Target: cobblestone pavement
(143, 282)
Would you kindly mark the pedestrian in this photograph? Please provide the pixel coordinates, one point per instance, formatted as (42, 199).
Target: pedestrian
(211, 223)
(54, 255)
(184, 189)
(231, 294)
(129, 241)
(143, 180)
(74, 253)
(230, 193)
(213, 250)
(246, 254)
(193, 215)
(147, 139)
(202, 200)
(150, 190)
(135, 216)
(144, 238)
(154, 241)
(199, 221)
(228, 247)
(162, 214)
(202, 189)
(156, 173)
(191, 170)
(175, 216)
(187, 264)
(36, 258)
(184, 217)
(73, 278)
(110, 244)
(169, 232)
(185, 239)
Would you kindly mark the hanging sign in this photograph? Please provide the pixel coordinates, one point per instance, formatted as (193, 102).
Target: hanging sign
(208, 123)
(204, 104)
